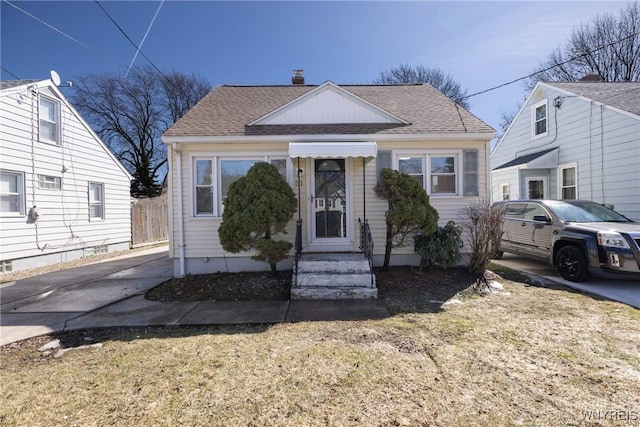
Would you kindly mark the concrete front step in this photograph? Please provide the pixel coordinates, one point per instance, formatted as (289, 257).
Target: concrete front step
(339, 267)
(317, 292)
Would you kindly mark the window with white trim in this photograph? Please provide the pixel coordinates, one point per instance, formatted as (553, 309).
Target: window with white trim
(437, 172)
(505, 190)
(49, 120)
(96, 201)
(46, 182)
(214, 175)
(11, 193)
(568, 180)
(539, 119)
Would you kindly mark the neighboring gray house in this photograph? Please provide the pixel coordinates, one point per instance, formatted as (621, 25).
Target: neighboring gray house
(63, 194)
(577, 140)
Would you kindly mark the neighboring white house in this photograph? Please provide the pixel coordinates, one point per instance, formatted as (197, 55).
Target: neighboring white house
(342, 134)
(63, 194)
(578, 140)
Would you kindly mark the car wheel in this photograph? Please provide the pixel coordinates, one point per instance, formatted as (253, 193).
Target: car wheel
(498, 255)
(572, 264)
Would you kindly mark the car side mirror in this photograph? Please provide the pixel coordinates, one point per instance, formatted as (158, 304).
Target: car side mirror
(542, 218)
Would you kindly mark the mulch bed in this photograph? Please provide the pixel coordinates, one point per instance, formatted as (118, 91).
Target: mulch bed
(401, 289)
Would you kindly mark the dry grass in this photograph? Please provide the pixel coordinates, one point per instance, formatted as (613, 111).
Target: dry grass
(528, 356)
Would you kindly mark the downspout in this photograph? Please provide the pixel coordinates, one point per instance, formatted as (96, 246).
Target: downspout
(180, 208)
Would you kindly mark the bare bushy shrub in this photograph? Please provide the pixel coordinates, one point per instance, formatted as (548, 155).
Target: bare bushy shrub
(484, 227)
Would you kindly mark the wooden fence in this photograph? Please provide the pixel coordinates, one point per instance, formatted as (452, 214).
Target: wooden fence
(149, 220)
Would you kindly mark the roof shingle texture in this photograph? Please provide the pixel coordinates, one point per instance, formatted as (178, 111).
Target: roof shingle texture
(8, 84)
(622, 95)
(227, 110)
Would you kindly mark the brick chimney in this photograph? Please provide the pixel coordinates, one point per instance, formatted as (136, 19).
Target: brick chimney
(298, 77)
(591, 77)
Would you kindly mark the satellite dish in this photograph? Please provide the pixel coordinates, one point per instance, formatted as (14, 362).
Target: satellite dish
(55, 78)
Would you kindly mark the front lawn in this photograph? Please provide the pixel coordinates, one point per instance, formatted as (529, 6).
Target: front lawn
(526, 355)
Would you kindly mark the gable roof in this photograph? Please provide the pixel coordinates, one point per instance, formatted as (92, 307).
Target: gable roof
(9, 84)
(420, 109)
(622, 95)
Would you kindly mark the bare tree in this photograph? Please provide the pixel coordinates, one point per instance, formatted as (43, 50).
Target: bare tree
(607, 46)
(130, 114)
(420, 74)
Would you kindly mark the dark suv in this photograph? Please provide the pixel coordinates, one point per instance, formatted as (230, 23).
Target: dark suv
(581, 238)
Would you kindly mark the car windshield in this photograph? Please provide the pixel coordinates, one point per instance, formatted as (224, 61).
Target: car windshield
(585, 212)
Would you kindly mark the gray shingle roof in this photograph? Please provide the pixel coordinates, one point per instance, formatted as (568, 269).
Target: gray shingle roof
(622, 95)
(227, 110)
(8, 84)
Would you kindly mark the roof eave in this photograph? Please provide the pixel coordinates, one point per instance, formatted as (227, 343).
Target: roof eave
(195, 139)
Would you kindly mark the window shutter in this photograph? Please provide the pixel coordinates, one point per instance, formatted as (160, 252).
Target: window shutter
(383, 161)
(470, 177)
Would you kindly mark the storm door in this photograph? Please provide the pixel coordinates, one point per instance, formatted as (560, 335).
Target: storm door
(329, 201)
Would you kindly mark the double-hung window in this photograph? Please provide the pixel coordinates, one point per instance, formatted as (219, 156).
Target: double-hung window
(214, 175)
(11, 193)
(568, 181)
(49, 119)
(539, 122)
(96, 201)
(437, 172)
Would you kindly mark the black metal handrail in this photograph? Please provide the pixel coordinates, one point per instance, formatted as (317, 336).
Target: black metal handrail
(366, 241)
(298, 248)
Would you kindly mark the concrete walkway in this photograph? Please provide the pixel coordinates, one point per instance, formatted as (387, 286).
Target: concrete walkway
(111, 294)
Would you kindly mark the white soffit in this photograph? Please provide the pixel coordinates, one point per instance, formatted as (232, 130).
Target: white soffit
(335, 150)
(328, 104)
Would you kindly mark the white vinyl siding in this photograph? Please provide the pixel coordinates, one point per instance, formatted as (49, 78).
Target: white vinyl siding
(64, 230)
(539, 122)
(49, 116)
(11, 193)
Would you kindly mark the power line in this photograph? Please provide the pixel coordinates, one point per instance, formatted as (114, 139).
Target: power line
(130, 41)
(10, 73)
(553, 66)
(145, 36)
(64, 34)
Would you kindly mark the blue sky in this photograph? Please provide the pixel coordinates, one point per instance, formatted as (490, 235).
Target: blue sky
(482, 44)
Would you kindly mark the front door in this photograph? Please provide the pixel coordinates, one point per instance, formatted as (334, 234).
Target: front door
(330, 205)
(537, 187)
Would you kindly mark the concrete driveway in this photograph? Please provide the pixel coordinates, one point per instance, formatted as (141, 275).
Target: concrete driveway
(624, 291)
(46, 303)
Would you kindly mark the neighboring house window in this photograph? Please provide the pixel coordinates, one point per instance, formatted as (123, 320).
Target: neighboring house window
(438, 173)
(214, 175)
(11, 193)
(96, 200)
(568, 181)
(49, 120)
(539, 119)
(46, 182)
(506, 191)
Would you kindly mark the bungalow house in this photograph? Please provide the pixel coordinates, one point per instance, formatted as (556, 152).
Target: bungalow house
(330, 142)
(63, 194)
(578, 140)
